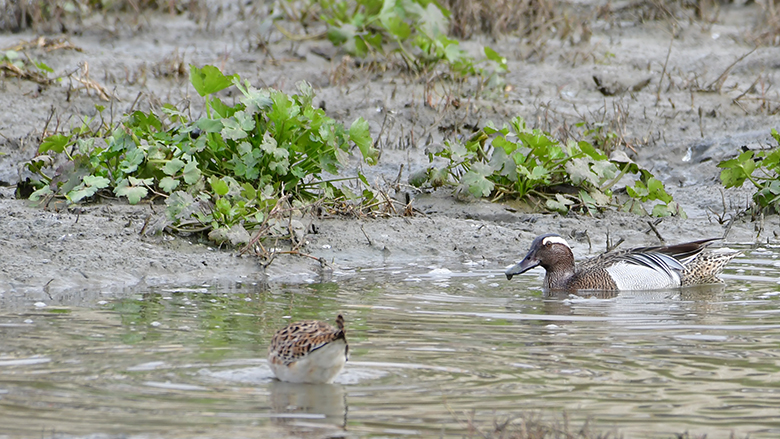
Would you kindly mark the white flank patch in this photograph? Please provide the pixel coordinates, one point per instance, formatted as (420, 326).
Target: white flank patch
(637, 277)
(555, 240)
(319, 366)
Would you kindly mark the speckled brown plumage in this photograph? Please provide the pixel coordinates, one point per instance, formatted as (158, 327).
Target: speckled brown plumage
(705, 268)
(309, 351)
(296, 340)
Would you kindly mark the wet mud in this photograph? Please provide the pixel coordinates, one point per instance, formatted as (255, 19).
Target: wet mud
(680, 117)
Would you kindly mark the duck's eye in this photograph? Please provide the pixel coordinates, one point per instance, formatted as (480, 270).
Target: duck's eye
(549, 244)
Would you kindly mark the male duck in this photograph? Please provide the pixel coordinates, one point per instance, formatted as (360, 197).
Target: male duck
(644, 268)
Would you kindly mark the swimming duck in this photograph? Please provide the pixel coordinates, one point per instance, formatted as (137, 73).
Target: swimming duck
(310, 351)
(644, 268)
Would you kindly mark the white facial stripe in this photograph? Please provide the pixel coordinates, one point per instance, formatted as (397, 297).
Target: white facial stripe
(555, 240)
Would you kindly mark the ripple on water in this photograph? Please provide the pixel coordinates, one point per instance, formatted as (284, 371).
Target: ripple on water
(426, 344)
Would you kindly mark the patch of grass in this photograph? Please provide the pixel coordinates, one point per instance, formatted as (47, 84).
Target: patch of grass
(761, 168)
(519, 163)
(222, 173)
(57, 15)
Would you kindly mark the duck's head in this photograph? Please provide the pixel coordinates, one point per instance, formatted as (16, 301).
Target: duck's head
(550, 251)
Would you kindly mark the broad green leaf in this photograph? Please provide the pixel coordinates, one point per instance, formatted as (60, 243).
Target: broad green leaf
(361, 136)
(638, 191)
(223, 205)
(283, 111)
(180, 206)
(579, 171)
(657, 191)
(168, 184)
(245, 120)
(42, 192)
(85, 145)
(134, 194)
(80, 193)
(477, 184)
(396, 26)
(508, 146)
(604, 169)
(219, 186)
(173, 166)
(144, 121)
(133, 158)
(539, 173)
(56, 143)
(209, 79)
(96, 181)
(432, 21)
(209, 125)
(232, 130)
(248, 191)
(280, 167)
(254, 100)
(588, 149)
(191, 172)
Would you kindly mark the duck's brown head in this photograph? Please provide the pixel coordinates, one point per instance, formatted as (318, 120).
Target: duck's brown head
(550, 251)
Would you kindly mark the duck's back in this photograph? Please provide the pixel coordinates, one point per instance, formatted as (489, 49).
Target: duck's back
(628, 270)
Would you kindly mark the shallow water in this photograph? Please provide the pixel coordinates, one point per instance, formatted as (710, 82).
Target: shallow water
(432, 350)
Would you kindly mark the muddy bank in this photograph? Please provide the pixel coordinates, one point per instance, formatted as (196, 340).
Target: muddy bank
(674, 126)
(78, 258)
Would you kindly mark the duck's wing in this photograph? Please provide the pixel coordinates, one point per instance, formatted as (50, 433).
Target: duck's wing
(647, 257)
(682, 252)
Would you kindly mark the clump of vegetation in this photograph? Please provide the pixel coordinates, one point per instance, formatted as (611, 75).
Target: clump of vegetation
(530, 165)
(413, 30)
(221, 173)
(761, 168)
(16, 64)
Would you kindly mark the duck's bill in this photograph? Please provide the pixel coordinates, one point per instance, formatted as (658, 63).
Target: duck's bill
(524, 265)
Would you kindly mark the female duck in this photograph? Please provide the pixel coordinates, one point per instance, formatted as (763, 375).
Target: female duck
(309, 351)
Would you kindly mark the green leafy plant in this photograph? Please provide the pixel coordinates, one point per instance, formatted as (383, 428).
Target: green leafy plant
(761, 168)
(414, 30)
(223, 172)
(516, 162)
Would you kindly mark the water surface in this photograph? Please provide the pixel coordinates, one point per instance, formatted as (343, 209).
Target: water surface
(432, 349)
